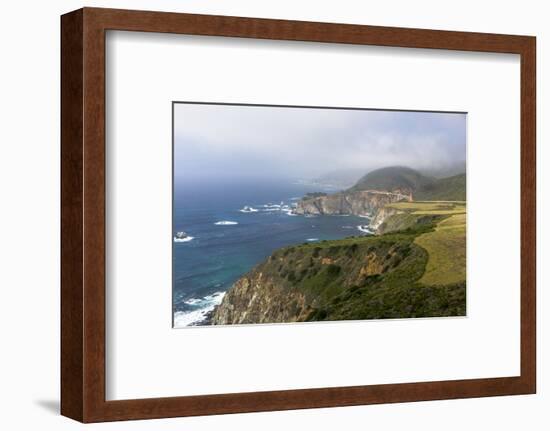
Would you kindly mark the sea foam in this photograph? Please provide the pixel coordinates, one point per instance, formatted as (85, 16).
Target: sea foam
(248, 209)
(225, 223)
(365, 229)
(186, 239)
(191, 318)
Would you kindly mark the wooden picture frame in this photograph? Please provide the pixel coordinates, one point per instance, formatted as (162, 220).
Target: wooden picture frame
(83, 334)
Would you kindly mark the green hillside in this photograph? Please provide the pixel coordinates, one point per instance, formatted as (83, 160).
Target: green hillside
(392, 178)
(445, 244)
(407, 273)
(444, 189)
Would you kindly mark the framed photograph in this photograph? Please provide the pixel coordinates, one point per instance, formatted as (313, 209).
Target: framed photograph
(267, 215)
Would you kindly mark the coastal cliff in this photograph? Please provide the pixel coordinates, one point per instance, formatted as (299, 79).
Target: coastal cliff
(261, 297)
(377, 223)
(355, 278)
(360, 203)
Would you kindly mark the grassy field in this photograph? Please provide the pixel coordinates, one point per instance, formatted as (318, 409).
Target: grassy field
(446, 244)
(430, 207)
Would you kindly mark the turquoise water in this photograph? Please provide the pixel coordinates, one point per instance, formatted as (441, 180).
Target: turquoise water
(206, 266)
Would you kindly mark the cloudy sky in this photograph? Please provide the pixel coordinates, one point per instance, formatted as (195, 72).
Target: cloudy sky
(217, 141)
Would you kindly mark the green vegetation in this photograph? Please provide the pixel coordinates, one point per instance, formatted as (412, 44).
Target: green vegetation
(407, 220)
(451, 188)
(377, 277)
(446, 247)
(435, 207)
(445, 244)
(392, 178)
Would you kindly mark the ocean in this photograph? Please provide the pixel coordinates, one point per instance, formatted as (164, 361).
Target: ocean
(225, 240)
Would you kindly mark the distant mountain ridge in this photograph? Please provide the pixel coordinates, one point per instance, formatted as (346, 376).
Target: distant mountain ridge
(392, 179)
(347, 178)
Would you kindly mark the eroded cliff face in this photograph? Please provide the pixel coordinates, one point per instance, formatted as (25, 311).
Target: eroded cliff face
(380, 216)
(258, 298)
(348, 203)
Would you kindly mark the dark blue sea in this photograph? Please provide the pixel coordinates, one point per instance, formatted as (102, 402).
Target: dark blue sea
(206, 266)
